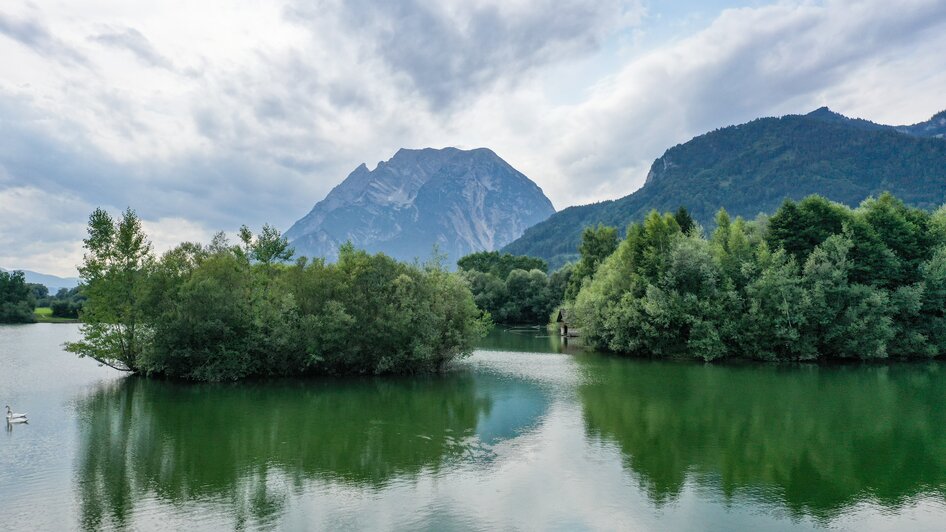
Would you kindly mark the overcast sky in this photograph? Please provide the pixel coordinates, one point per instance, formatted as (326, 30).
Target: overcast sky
(203, 115)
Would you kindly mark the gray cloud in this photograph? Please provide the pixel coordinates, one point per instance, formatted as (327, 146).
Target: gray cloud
(219, 191)
(36, 36)
(450, 53)
(133, 41)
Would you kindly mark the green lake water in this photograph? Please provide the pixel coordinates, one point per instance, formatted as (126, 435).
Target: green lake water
(526, 434)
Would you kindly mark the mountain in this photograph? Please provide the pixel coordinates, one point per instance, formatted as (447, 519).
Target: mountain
(751, 168)
(461, 201)
(52, 282)
(934, 127)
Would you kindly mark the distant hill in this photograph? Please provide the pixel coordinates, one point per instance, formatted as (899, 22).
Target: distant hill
(52, 282)
(461, 201)
(751, 168)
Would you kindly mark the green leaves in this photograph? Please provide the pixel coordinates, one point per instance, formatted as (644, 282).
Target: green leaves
(222, 312)
(16, 298)
(872, 286)
(114, 270)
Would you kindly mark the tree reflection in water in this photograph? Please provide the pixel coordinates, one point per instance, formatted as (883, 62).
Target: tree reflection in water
(242, 444)
(814, 440)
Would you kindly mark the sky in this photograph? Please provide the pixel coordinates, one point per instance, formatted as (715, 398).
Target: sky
(203, 116)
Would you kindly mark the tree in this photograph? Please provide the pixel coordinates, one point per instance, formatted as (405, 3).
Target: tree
(40, 292)
(270, 246)
(684, 220)
(902, 230)
(223, 312)
(597, 244)
(114, 270)
(529, 300)
(800, 227)
(775, 324)
(16, 298)
(500, 264)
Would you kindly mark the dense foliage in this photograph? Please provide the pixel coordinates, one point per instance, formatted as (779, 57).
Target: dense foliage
(500, 264)
(223, 312)
(65, 303)
(816, 280)
(16, 298)
(751, 168)
(597, 244)
(513, 289)
(522, 298)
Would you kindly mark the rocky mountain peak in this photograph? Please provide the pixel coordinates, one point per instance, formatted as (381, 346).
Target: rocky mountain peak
(459, 200)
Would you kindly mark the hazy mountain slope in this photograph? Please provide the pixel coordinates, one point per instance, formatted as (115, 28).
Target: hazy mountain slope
(52, 282)
(753, 167)
(934, 127)
(461, 201)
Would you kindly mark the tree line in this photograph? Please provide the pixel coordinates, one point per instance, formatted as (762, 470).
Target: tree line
(19, 299)
(518, 290)
(226, 311)
(816, 280)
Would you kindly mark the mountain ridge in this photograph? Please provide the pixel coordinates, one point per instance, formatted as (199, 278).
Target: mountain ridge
(752, 167)
(52, 282)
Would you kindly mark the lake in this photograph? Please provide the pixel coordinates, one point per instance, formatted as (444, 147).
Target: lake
(525, 434)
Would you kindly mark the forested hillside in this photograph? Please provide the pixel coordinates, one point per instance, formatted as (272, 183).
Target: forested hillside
(753, 167)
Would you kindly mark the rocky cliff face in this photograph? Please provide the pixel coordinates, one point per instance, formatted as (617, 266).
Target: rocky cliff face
(461, 201)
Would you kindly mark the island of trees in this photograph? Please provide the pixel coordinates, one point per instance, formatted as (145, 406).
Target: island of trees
(816, 280)
(225, 311)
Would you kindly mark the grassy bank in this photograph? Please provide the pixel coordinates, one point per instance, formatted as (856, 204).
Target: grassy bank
(45, 315)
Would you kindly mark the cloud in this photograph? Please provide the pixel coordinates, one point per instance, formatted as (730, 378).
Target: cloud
(36, 36)
(451, 49)
(203, 117)
(132, 40)
(40, 230)
(751, 62)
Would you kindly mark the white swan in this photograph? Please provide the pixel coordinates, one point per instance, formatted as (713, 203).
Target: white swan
(13, 415)
(16, 420)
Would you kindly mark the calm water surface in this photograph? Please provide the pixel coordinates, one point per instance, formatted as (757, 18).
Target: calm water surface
(526, 434)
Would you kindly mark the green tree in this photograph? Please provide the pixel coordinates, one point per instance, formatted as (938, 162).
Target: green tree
(775, 323)
(799, 227)
(270, 246)
(903, 230)
(500, 264)
(597, 244)
(684, 220)
(529, 300)
(16, 298)
(114, 270)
